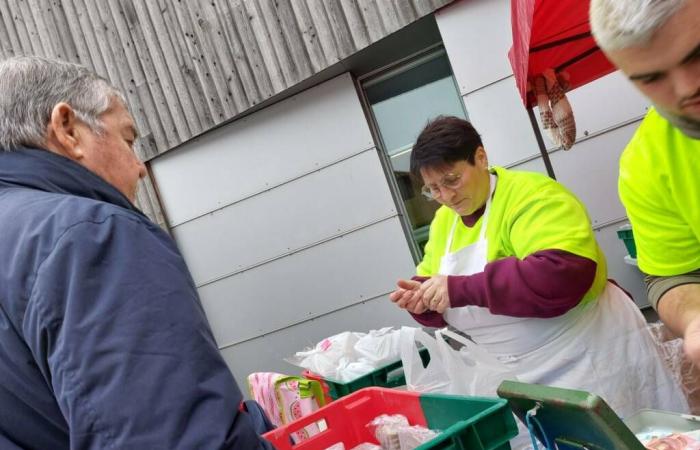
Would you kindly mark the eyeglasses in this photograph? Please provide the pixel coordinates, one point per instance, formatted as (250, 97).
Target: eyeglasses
(450, 181)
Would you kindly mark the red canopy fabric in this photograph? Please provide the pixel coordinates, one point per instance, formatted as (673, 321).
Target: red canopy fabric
(554, 34)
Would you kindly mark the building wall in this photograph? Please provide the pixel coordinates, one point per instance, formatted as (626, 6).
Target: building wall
(186, 67)
(287, 223)
(477, 36)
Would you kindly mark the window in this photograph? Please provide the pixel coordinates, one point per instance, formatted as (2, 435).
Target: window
(401, 100)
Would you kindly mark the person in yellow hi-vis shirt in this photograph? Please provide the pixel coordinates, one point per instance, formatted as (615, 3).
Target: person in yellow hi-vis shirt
(657, 45)
(513, 262)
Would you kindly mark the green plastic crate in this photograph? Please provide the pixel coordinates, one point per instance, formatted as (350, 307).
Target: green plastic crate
(626, 235)
(389, 376)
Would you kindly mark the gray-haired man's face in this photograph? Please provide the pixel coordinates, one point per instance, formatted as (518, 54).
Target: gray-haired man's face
(667, 69)
(110, 154)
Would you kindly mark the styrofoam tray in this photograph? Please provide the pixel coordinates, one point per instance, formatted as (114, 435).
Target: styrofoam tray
(648, 424)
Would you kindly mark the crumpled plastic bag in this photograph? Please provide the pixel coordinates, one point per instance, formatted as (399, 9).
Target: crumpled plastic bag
(379, 347)
(350, 355)
(684, 371)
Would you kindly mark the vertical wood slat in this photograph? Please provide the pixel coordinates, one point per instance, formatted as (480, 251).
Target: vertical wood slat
(241, 65)
(370, 13)
(152, 28)
(224, 48)
(163, 134)
(9, 37)
(204, 23)
(292, 37)
(324, 30)
(183, 64)
(271, 21)
(309, 36)
(75, 34)
(196, 57)
(339, 25)
(356, 24)
(60, 31)
(87, 33)
(24, 41)
(264, 40)
(152, 132)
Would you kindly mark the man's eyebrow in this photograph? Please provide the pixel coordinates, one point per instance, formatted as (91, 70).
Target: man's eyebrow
(691, 55)
(688, 58)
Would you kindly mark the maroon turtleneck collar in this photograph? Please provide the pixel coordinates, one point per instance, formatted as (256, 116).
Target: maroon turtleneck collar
(471, 219)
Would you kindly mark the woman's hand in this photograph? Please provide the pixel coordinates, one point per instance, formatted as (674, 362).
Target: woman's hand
(407, 296)
(434, 293)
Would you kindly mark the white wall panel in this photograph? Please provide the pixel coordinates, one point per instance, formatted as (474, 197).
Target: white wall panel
(319, 280)
(477, 36)
(286, 220)
(266, 353)
(277, 144)
(590, 170)
(326, 203)
(533, 165)
(501, 119)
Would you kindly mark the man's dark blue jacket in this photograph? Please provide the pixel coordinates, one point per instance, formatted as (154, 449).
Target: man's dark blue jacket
(103, 341)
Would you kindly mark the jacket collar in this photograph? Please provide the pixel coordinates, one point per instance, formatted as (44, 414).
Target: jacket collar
(43, 170)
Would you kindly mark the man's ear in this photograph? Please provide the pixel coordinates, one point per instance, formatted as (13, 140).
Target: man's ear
(63, 132)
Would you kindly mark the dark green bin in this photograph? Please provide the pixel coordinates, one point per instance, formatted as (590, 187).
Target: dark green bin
(626, 235)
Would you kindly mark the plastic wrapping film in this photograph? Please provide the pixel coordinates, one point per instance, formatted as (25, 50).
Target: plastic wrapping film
(687, 374)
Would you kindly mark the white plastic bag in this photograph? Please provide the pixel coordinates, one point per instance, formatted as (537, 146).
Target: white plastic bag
(432, 378)
(330, 356)
(472, 370)
(379, 347)
(468, 371)
(349, 355)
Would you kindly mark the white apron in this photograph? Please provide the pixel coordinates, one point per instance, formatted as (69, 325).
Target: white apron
(602, 347)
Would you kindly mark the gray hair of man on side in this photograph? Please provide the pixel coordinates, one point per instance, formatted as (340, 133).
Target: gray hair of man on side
(619, 24)
(30, 87)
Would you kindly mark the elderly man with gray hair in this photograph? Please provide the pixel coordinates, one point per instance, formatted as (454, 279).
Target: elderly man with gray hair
(656, 43)
(103, 341)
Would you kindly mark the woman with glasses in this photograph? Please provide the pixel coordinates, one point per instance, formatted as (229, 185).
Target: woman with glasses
(512, 261)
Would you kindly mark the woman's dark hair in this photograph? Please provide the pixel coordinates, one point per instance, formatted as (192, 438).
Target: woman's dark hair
(444, 140)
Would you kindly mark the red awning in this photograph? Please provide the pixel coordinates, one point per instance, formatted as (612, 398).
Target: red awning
(554, 34)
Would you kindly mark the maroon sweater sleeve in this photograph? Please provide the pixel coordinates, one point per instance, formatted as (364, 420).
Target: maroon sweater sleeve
(431, 319)
(545, 284)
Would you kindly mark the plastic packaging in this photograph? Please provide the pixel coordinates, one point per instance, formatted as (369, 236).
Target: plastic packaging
(386, 430)
(414, 436)
(685, 372)
(349, 355)
(395, 433)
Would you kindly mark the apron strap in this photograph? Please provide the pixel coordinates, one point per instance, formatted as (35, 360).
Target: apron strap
(484, 220)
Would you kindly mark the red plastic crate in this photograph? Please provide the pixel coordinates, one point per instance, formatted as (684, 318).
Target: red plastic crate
(465, 422)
